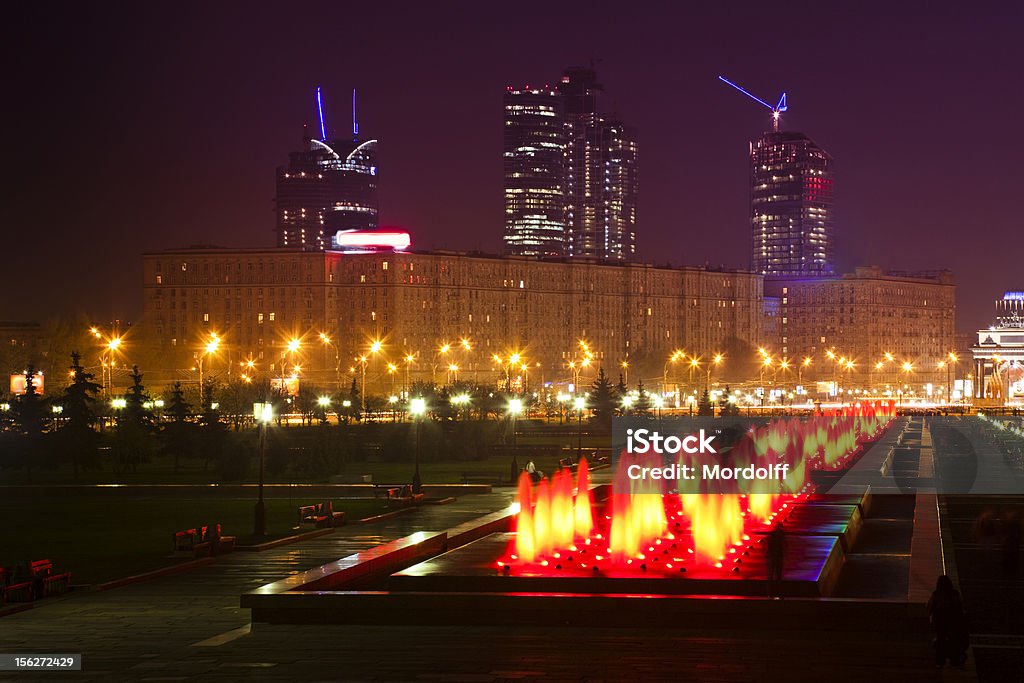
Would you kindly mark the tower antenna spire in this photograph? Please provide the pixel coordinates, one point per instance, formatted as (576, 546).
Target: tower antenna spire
(776, 110)
(320, 109)
(355, 123)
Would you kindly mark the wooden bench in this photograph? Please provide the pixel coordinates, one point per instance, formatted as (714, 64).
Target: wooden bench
(405, 498)
(386, 490)
(51, 582)
(321, 515)
(203, 542)
(9, 588)
(41, 581)
(483, 478)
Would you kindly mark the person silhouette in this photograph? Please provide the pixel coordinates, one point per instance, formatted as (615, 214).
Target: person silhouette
(946, 612)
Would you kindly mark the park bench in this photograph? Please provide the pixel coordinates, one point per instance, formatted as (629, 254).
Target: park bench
(203, 542)
(483, 478)
(386, 490)
(40, 582)
(404, 497)
(320, 515)
(9, 589)
(46, 581)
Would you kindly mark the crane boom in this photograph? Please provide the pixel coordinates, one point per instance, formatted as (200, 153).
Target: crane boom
(776, 110)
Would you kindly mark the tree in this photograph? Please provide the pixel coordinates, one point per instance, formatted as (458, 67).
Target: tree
(30, 423)
(704, 407)
(728, 408)
(177, 433)
(78, 438)
(642, 406)
(603, 400)
(137, 402)
(132, 442)
(212, 431)
(621, 389)
(351, 411)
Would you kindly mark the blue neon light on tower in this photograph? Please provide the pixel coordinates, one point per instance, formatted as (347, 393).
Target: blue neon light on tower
(320, 108)
(355, 124)
(776, 110)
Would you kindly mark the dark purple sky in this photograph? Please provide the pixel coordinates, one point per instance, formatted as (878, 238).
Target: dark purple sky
(130, 130)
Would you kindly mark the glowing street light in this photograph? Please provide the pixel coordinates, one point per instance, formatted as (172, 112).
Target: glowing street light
(263, 413)
(209, 348)
(417, 408)
(580, 403)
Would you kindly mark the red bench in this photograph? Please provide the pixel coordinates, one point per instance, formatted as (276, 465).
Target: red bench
(203, 542)
(321, 515)
(40, 582)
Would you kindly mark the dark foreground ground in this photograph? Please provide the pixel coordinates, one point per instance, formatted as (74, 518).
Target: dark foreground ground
(189, 627)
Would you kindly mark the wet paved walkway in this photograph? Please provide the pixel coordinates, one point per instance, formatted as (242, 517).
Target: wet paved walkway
(189, 627)
(127, 631)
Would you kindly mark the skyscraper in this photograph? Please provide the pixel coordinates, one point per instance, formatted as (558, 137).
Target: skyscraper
(790, 205)
(329, 186)
(579, 203)
(534, 162)
(601, 173)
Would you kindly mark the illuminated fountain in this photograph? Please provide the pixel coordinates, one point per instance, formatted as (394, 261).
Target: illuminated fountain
(647, 527)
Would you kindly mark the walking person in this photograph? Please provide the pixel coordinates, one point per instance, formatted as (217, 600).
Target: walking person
(946, 612)
(776, 552)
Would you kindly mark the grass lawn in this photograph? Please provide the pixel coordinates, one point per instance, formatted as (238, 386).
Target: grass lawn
(160, 470)
(100, 541)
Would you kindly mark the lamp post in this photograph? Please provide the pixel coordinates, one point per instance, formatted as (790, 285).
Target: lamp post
(806, 363)
(907, 368)
(694, 365)
(716, 360)
(677, 355)
(264, 413)
(579, 403)
(328, 342)
(393, 371)
(951, 360)
(515, 406)
(417, 407)
(625, 372)
(210, 348)
(112, 346)
(442, 352)
(410, 358)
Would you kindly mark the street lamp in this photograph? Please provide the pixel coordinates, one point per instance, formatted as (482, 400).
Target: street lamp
(362, 391)
(113, 344)
(263, 414)
(676, 356)
(625, 372)
(579, 403)
(210, 347)
(907, 368)
(951, 360)
(393, 371)
(715, 362)
(410, 358)
(417, 408)
(375, 347)
(806, 363)
(515, 406)
(328, 342)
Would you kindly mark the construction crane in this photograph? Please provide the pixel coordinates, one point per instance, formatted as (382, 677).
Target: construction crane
(776, 110)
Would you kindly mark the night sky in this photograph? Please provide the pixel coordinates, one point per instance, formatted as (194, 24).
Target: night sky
(126, 131)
